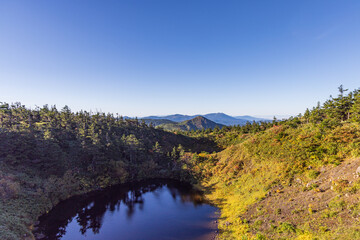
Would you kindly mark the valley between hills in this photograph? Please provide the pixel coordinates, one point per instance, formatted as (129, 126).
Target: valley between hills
(292, 179)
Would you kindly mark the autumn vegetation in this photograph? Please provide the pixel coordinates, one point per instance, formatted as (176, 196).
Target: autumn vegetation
(291, 179)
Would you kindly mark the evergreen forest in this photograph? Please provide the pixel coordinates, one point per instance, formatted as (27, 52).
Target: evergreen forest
(290, 179)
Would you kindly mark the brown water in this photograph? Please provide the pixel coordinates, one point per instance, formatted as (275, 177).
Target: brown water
(142, 211)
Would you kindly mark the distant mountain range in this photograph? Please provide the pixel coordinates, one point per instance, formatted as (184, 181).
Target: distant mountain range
(174, 117)
(196, 123)
(218, 118)
(251, 118)
(224, 119)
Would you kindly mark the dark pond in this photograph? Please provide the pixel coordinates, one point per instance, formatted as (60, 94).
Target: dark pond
(139, 211)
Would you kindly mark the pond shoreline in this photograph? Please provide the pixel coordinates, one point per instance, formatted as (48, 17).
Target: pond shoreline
(183, 191)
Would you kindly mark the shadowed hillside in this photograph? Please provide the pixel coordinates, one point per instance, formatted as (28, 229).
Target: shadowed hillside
(48, 155)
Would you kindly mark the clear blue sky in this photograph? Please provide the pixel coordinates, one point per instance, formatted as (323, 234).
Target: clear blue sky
(144, 57)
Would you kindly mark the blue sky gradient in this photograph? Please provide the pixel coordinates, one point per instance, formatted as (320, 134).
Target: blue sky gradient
(157, 57)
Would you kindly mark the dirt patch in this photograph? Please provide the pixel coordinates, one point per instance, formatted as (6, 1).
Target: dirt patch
(322, 204)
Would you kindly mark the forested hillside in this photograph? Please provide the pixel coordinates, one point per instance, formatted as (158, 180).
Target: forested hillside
(157, 122)
(47, 155)
(293, 179)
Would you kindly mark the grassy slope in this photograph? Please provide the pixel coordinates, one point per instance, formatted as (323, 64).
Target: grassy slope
(268, 185)
(296, 180)
(289, 183)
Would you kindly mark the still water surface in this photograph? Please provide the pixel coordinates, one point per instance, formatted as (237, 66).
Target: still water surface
(142, 211)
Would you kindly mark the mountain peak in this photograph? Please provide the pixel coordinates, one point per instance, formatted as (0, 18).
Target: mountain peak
(197, 118)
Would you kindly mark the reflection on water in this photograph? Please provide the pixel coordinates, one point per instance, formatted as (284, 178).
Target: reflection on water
(148, 210)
